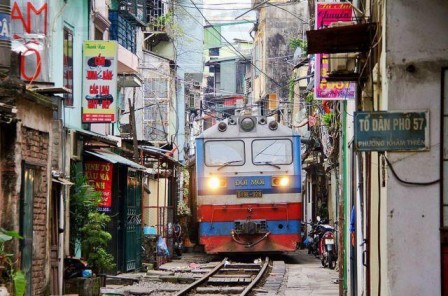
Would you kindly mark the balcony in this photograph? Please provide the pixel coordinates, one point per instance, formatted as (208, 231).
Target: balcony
(127, 61)
(134, 11)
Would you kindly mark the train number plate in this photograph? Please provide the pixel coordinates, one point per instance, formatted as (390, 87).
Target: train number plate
(249, 194)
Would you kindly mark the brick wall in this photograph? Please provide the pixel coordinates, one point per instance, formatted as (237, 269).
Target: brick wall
(35, 150)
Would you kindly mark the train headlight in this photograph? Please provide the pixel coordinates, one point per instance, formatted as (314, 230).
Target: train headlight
(216, 182)
(282, 181)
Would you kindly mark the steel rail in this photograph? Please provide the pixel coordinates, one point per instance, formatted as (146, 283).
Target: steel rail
(257, 279)
(203, 279)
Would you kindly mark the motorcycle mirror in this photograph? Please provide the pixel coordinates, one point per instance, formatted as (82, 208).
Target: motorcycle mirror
(318, 218)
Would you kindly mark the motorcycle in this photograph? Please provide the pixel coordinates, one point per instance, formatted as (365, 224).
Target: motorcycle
(312, 240)
(327, 246)
(178, 239)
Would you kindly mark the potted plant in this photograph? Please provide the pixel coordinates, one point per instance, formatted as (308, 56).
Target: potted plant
(9, 274)
(94, 243)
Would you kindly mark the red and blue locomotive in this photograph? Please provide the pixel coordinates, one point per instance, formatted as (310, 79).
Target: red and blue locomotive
(248, 186)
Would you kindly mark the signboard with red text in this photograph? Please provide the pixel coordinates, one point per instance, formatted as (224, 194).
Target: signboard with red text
(99, 175)
(99, 97)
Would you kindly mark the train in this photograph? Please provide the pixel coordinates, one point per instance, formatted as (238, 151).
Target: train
(248, 181)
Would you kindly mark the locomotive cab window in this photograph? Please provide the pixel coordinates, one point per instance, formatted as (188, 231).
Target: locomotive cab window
(273, 151)
(228, 153)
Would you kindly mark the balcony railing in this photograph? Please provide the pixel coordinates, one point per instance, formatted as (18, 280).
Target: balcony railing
(134, 11)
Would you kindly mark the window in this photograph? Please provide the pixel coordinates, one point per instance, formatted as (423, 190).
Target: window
(191, 101)
(156, 88)
(156, 110)
(154, 9)
(68, 65)
(228, 152)
(122, 31)
(272, 151)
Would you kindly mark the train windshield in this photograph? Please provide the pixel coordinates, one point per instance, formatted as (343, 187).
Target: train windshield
(228, 153)
(272, 151)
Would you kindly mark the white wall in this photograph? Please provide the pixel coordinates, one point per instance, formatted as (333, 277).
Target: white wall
(415, 34)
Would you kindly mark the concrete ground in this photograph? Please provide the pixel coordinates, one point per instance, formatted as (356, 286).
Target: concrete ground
(297, 274)
(305, 276)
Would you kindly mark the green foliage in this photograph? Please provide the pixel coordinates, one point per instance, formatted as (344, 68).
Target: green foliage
(167, 24)
(95, 241)
(84, 200)
(309, 97)
(19, 281)
(11, 273)
(297, 42)
(291, 85)
(327, 118)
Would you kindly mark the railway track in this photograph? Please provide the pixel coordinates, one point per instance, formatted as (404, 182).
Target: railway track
(228, 278)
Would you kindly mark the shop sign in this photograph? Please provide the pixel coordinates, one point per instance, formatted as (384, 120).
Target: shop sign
(392, 131)
(99, 99)
(327, 15)
(99, 175)
(29, 23)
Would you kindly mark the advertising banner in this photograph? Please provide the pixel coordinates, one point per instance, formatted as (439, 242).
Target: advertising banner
(29, 30)
(99, 175)
(99, 97)
(327, 14)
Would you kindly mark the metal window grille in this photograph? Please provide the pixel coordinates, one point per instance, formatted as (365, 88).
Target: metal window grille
(122, 31)
(154, 9)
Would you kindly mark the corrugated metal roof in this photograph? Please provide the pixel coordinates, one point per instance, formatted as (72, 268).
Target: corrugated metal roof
(115, 158)
(100, 137)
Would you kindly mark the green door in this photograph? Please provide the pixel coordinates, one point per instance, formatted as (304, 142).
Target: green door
(26, 224)
(133, 213)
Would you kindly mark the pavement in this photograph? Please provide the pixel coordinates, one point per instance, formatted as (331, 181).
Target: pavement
(305, 276)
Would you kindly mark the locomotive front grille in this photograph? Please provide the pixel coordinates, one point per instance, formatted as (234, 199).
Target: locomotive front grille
(250, 227)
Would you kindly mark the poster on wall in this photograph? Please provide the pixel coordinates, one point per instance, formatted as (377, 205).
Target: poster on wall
(99, 175)
(99, 98)
(328, 15)
(29, 30)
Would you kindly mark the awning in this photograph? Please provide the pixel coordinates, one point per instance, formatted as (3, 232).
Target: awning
(62, 181)
(111, 140)
(115, 158)
(160, 153)
(352, 38)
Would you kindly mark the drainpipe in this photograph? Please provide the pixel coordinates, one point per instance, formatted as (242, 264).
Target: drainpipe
(345, 190)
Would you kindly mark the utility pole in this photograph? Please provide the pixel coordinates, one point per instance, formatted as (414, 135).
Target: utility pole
(133, 126)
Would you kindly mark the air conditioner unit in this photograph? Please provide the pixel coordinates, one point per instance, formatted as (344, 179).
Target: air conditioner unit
(342, 63)
(75, 145)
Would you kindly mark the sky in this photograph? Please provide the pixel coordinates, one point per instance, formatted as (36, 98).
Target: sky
(230, 11)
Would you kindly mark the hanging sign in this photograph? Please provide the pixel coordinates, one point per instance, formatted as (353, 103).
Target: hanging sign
(99, 175)
(327, 15)
(392, 131)
(99, 97)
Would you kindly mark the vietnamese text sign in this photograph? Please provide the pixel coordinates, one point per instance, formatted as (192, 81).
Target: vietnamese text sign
(392, 131)
(99, 81)
(99, 175)
(29, 34)
(326, 15)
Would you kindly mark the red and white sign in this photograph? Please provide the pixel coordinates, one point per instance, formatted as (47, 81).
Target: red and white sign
(99, 175)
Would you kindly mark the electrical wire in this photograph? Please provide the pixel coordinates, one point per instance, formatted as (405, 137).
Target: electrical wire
(408, 182)
(238, 52)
